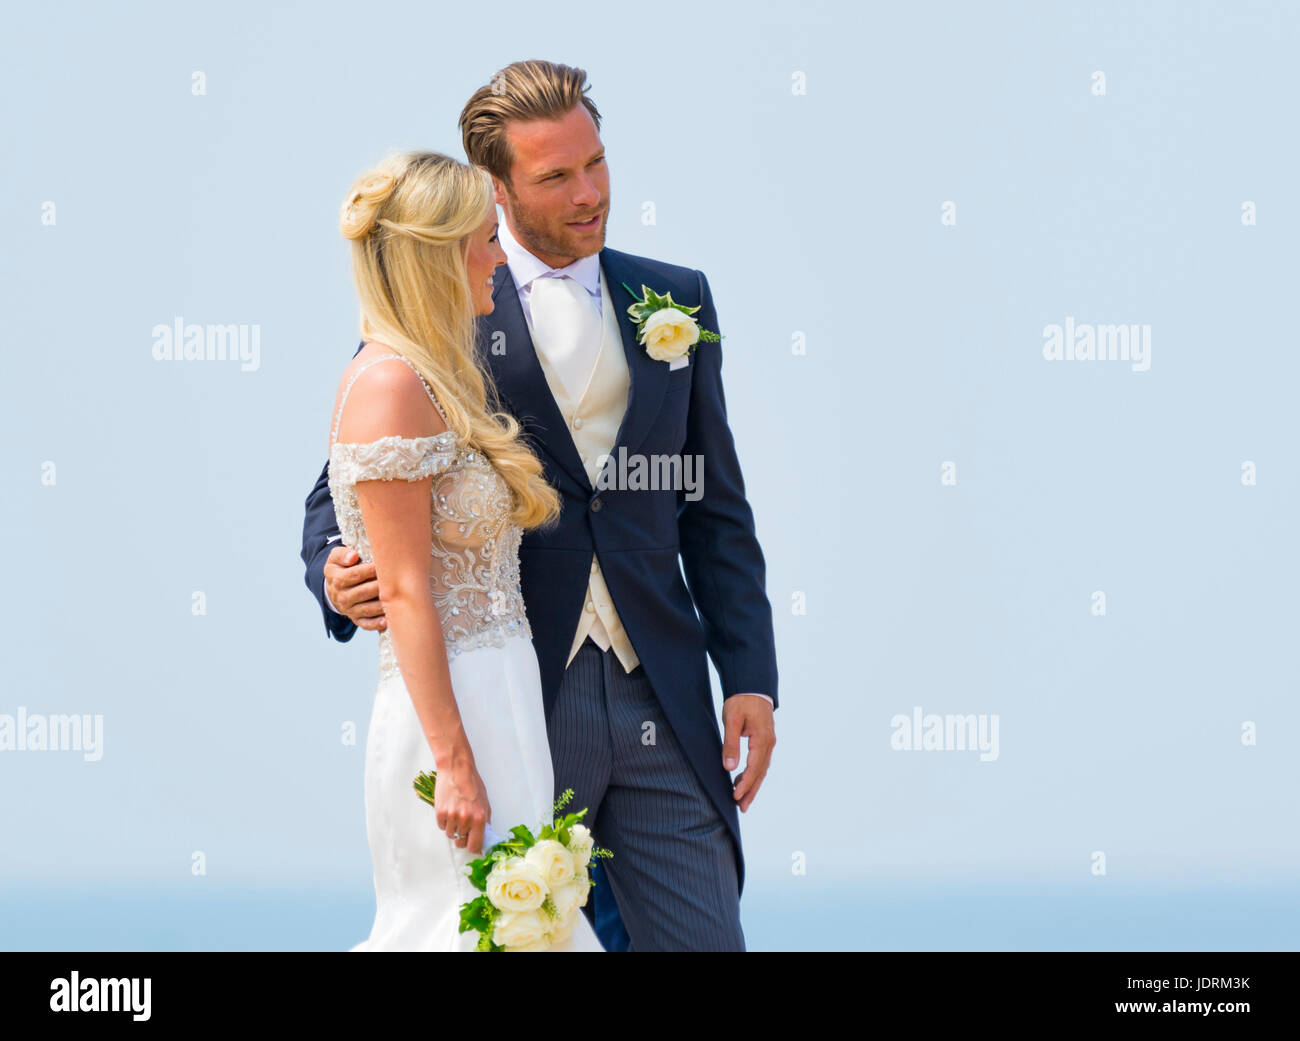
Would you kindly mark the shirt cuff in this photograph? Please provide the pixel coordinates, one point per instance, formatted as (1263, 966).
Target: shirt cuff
(765, 697)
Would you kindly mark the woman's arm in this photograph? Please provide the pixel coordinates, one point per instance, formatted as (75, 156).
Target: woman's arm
(390, 400)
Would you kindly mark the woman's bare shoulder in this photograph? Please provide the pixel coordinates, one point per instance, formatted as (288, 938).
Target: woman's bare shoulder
(384, 400)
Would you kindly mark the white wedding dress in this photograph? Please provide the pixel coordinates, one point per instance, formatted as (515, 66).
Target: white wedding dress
(419, 873)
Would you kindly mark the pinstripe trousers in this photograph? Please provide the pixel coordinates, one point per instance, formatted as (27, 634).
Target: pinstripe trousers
(673, 873)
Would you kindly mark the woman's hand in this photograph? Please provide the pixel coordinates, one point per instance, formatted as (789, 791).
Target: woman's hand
(461, 804)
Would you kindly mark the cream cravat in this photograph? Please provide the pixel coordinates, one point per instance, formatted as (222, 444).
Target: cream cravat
(566, 329)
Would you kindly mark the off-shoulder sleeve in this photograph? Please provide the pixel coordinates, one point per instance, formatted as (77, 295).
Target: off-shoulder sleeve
(392, 458)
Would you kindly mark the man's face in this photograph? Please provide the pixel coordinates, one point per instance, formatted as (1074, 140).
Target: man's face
(557, 200)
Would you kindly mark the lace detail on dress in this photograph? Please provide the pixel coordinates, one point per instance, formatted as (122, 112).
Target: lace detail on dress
(390, 458)
(475, 573)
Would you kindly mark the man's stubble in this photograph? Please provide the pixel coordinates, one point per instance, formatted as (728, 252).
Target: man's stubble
(533, 235)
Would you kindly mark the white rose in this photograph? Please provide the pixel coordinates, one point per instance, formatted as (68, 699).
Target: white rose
(521, 930)
(542, 945)
(580, 844)
(551, 861)
(668, 334)
(516, 885)
(568, 898)
(562, 929)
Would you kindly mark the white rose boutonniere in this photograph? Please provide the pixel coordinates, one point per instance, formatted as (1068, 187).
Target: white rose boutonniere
(666, 329)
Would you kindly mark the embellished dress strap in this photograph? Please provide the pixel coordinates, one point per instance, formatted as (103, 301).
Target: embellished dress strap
(391, 457)
(338, 415)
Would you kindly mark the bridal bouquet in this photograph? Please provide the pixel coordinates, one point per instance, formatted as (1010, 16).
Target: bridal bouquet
(533, 886)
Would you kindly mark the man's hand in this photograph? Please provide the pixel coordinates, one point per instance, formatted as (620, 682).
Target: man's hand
(750, 717)
(353, 588)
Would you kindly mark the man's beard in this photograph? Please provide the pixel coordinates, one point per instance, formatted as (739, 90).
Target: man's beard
(534, 236)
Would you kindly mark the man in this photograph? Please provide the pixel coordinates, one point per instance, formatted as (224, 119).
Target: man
(619, 642)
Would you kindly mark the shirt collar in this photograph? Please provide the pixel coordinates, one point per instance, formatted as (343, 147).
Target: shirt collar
(524, 267)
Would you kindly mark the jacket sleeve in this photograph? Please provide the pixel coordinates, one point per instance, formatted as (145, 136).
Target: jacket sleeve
(721, 556)
(320, 533)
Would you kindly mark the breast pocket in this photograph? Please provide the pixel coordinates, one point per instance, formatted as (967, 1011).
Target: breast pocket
(672, 416)
(680, 379)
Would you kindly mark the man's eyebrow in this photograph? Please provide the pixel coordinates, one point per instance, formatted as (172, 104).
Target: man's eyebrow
(547, 173)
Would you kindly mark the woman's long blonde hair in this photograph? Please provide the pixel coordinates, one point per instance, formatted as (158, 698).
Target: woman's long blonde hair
(409, 220)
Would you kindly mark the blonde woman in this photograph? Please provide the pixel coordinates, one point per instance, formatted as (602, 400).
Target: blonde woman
(435, 488)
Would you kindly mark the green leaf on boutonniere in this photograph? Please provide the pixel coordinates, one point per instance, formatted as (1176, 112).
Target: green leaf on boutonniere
(649, 302)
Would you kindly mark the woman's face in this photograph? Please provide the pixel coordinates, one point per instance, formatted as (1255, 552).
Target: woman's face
(483, 257)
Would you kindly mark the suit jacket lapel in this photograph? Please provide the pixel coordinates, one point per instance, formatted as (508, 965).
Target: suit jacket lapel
(649, 377)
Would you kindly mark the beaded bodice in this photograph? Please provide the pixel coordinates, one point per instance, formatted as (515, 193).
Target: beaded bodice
(475, 544)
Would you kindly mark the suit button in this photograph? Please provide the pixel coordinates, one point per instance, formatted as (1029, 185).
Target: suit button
(590, 606)
(577, 422)
(596, 505)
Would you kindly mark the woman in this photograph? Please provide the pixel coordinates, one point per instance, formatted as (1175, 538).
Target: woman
(436, 488)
